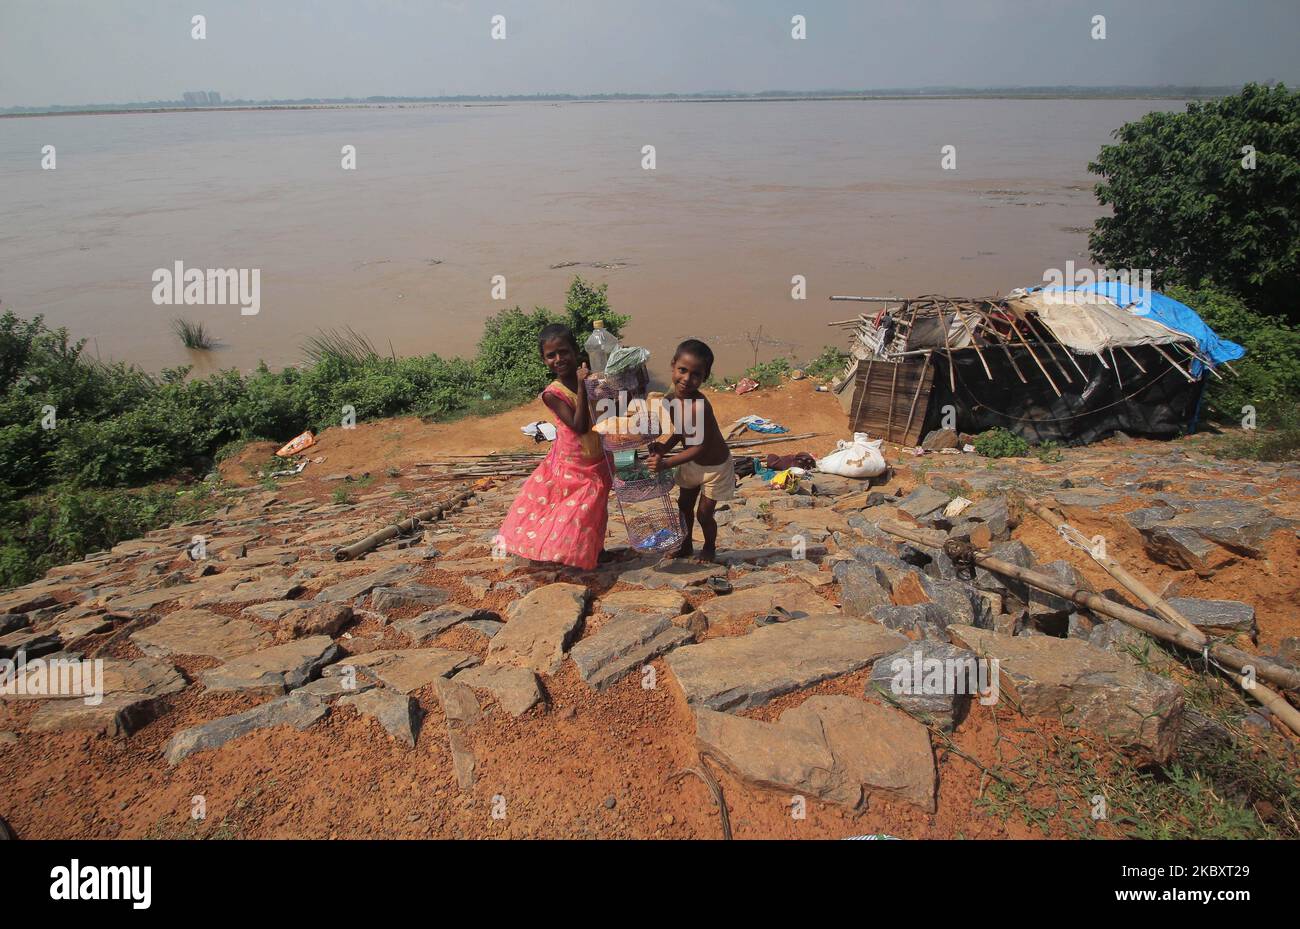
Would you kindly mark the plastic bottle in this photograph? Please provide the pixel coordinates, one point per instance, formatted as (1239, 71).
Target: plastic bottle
(599, 345)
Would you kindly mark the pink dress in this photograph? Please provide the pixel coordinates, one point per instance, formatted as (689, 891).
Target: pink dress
(563, 508)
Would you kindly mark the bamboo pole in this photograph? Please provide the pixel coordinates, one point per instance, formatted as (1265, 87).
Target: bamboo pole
(1006, 348)
(374, 540)
(866, 385)
(1132, 358)
(952, 368)
(1169, 358)
(1209, 365)
(916, 396)
(749, 443)
(1064, 348)
(1034, 355)
(893, 390)
(1038, 333)
(1270, 671)
(970, 332)
(1274, 702)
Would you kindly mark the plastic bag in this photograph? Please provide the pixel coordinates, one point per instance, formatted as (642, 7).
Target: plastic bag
(296, 445)
(625, 358)
(859, 458)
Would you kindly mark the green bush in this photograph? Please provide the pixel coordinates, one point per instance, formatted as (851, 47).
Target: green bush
(1185, 207)
(507, 354)
(64, 524)
(585, 304)
(830, 363)
(1048, 452)
(1268, 378)
(769, 373)
(999, 443)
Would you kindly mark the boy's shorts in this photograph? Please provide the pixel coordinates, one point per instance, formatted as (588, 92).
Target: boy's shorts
(717, 482)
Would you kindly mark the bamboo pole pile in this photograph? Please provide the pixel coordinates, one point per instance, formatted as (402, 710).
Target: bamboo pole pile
(1284, 711)
(463, 467)
(1235, 658)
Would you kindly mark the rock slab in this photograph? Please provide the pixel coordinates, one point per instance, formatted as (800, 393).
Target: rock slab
(408, 669)
(1071, 680)
(275, 670)
(200, 632)
(539, 628)
(397, 713)
(296, 710)
(837, 749)
(624, 644)
(737, 672)
(516, 689)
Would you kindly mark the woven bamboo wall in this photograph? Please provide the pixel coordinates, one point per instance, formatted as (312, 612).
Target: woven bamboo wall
(890, 399)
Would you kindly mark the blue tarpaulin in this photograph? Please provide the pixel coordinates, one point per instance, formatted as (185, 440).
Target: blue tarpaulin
(1168, 312)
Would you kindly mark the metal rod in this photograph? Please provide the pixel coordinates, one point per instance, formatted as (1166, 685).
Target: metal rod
(873, 299)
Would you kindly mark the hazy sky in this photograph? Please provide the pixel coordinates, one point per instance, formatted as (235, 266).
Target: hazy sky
(93, 51)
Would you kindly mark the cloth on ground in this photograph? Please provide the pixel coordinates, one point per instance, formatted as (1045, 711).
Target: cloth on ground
(759, 424)
(797, 460)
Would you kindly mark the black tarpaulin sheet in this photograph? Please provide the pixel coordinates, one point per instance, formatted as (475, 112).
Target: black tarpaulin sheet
(1158, 403)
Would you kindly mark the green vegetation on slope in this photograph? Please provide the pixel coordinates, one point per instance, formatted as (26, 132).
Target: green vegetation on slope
(73, 429)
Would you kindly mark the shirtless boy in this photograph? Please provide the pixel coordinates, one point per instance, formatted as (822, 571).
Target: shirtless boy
(705, 471)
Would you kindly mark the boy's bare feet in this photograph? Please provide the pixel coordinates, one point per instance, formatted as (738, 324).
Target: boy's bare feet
(687, 549)
(708, 555)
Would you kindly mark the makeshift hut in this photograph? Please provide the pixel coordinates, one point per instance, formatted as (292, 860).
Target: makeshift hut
(1071, 366)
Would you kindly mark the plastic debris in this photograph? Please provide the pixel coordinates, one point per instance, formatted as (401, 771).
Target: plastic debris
(956, 506)
(296, 445)
(626, 358)
(540, 431)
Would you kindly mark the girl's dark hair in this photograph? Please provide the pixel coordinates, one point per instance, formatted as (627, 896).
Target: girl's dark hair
(556, 331)
(698, 349)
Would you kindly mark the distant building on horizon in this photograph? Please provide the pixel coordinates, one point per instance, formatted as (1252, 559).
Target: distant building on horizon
(201, 98)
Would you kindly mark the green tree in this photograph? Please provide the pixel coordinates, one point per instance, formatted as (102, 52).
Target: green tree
(1188, 206)
(585, 303)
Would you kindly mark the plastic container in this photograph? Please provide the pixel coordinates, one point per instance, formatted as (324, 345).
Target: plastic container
(599, 345)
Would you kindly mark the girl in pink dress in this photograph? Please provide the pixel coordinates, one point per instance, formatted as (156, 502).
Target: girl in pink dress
(562, 510)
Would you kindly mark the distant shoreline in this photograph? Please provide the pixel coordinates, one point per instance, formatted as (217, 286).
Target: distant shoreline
(1135, 94)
